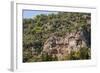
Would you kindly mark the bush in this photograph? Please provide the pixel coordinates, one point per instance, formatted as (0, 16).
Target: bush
(83, 53)
(46, 57)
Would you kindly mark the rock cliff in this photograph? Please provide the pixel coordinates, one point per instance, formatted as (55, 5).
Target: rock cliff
(62, 46)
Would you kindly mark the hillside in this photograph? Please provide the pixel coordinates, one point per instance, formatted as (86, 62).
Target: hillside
(56, 37)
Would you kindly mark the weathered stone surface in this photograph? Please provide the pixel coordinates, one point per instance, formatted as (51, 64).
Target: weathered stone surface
(62, 46)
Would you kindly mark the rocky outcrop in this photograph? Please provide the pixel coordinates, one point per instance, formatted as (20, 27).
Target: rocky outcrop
(62, 46)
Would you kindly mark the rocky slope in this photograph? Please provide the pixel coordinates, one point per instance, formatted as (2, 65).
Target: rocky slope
(62, 46)
(55, 37)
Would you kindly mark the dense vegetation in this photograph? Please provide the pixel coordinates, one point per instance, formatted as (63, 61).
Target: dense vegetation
(38, 29)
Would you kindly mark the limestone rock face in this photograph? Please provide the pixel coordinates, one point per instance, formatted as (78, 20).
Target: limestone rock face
(62, 46)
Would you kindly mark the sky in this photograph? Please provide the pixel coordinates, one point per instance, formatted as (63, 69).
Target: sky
(32, 13)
